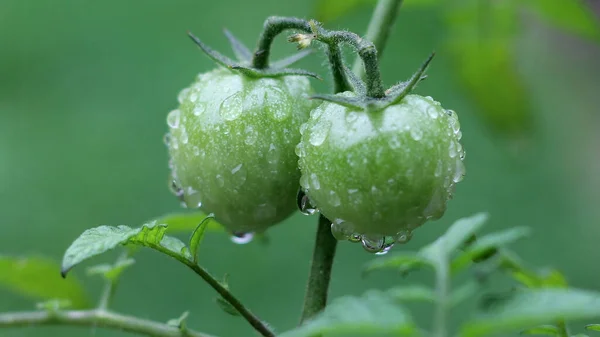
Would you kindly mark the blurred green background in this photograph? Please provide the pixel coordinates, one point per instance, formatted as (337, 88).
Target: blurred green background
(85, 87)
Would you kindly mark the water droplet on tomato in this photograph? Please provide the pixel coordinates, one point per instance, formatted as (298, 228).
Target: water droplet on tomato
(314, 181)
(372, 243)
(196, 151)
(319, 133)
(241, 238)
(341, 230)
(432, 112)
(173, 118)
(416, 133)
(199, 108)
(182, 95)
(231, 107)
(251, 135)
(403, 236)
(304, 204)
(220, 180)
(238, 175)
(184, 137)
(334, 199)
(193, 97)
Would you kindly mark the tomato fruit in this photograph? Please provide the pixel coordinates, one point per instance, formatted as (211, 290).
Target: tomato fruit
(378, 175)
(231, 143)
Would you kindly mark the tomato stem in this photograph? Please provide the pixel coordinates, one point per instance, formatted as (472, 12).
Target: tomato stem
(317, 288)
(378, 32)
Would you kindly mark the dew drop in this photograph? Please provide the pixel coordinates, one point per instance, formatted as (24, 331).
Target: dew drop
(184, 137)
(351, 117)
(432, 112)
(199, 109)
(416, 133)
(304, 204)
(372, 243)
(389, 242)
(438, 168)
(241, 238)
(318, 134)
(176, 189)
(173, 118)
(314, 181)
(182, 95)
(403, 236)
(167, 139)
(231, 107)
(193, 97)
(220, 180)
(452, 151)
(273, 154)
(355, 238)
(196, 151)
(341, 230)
(304, 181)
(239, 175)
(274, 100)
(251, 135)
(334, 199)
(459, 172)
(394, 142)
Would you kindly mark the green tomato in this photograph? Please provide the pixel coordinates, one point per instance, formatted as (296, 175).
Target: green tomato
(231, 143)
(379, 175)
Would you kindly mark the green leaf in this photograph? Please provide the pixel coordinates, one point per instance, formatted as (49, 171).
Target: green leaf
(101, 239)
(187, 222)
(593, 327)
(458, 233)
(328, 10)
(544, 330)
(534, 307)
(197, 237)
(226, 306)
(23, 276)
(404, 262)
(481, 41)
(373, 313)
(53, 305)
(574, 16)
(487, 244)
(464, 292)
(412, 293)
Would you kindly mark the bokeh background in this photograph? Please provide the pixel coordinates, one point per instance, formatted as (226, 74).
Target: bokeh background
(85, 87)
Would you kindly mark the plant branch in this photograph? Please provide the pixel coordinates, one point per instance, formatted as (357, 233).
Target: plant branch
(94, 318)
(317, 288)
(381, 24)
(256, 323)
(107, 294)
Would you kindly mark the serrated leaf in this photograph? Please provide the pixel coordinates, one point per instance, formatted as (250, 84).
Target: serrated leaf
(458, 233)
(226, 306)
(412, 293)
(404, 262)
(487, 244)
(197, 237)
(574, 16)
(593, 327)
(534, 307)
(482, 42)
(101, 239)
(328, 10)
(23, 275)
(543, 330)
(186, 222)
(374, 312)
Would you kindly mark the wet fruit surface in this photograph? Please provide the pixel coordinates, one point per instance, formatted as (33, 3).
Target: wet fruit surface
(231, 143)
(379, 175)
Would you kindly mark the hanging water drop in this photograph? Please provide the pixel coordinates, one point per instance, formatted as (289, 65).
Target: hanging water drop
(242, 238)
(372, 243)
(403, 236)
(341, 230)
(304, 204)
(355, 238)
(173, 118)
(389, 242)
(182, 95)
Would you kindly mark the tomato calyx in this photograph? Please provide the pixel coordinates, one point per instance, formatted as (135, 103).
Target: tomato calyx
(363, 101)
(244, 60)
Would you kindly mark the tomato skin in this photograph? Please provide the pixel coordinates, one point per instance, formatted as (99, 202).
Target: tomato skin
(231, 143)
(381, 173)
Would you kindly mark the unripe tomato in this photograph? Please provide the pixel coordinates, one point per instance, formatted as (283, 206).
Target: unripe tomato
(379, 175)
(231, 143)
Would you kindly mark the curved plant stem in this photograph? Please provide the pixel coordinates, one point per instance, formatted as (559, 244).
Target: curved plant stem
(381, 24)
(317, 288)
(256, 323)
(95, 318)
